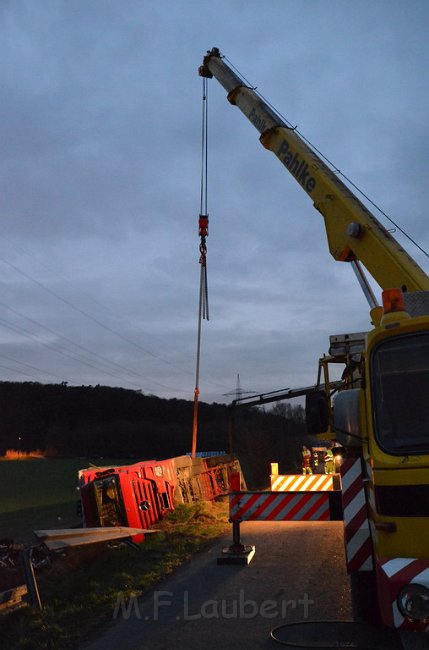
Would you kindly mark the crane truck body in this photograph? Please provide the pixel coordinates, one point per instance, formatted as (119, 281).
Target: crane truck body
(380, 413)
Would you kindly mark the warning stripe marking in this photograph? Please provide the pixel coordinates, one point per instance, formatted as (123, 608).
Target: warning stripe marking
(351, 477)
(359, 521)
(279, 506)
(398, 619)
(361, 558)
(422, 578)
(399, 572)
(355, 508)
(301, 483)
(403, 568)
(356, 525)
(350, 471)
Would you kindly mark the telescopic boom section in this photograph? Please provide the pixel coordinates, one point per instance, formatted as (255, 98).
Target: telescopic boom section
(353, 233)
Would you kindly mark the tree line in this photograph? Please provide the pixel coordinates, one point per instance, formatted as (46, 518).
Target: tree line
(102, 421)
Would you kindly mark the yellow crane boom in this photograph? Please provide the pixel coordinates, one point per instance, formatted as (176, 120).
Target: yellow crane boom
(353, 232)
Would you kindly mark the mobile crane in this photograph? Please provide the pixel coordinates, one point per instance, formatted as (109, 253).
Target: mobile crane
(380, 415)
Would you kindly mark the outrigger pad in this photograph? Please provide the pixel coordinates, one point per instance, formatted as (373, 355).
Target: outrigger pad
(233, 555)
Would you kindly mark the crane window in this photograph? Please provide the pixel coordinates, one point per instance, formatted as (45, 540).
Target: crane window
(400, 387)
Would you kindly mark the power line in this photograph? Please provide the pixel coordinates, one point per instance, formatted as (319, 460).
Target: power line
(333, 166)
(27, 365)
(23, 332)
(18, 371)
(84, 313)
(100, 324)
(70, 304)
(114, 364)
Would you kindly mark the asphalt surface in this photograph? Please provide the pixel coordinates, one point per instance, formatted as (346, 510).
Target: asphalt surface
(297, 575)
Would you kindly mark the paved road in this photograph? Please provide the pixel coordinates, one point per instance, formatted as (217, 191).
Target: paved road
(297, 574)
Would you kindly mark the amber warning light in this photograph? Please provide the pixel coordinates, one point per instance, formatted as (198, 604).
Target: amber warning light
(393, 300)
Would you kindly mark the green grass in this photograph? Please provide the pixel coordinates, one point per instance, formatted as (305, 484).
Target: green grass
(38, 494)
(79, 592)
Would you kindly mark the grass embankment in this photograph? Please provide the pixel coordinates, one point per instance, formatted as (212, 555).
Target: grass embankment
(37, 494)
(79, 591)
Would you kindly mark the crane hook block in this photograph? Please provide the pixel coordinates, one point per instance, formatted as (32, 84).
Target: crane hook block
(203, 225)
(203, 71)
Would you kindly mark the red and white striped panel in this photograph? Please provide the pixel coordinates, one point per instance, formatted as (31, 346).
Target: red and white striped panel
(357, 537)
(392, 575)
(279, 506)
(301, 482)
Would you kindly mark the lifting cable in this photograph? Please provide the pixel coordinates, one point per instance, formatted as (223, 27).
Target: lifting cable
(332, 166)
(203, 231)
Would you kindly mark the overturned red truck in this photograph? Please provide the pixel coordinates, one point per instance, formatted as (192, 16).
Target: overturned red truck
(139, 495)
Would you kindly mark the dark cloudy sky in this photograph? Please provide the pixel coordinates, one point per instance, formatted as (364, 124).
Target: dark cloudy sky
(100, 184)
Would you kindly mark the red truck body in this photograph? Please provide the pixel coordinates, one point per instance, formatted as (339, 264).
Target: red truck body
(139, 495)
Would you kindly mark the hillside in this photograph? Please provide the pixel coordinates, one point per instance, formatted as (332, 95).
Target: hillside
(99, 421)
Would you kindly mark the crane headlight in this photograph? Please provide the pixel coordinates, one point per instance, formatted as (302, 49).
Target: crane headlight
(413, 602)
